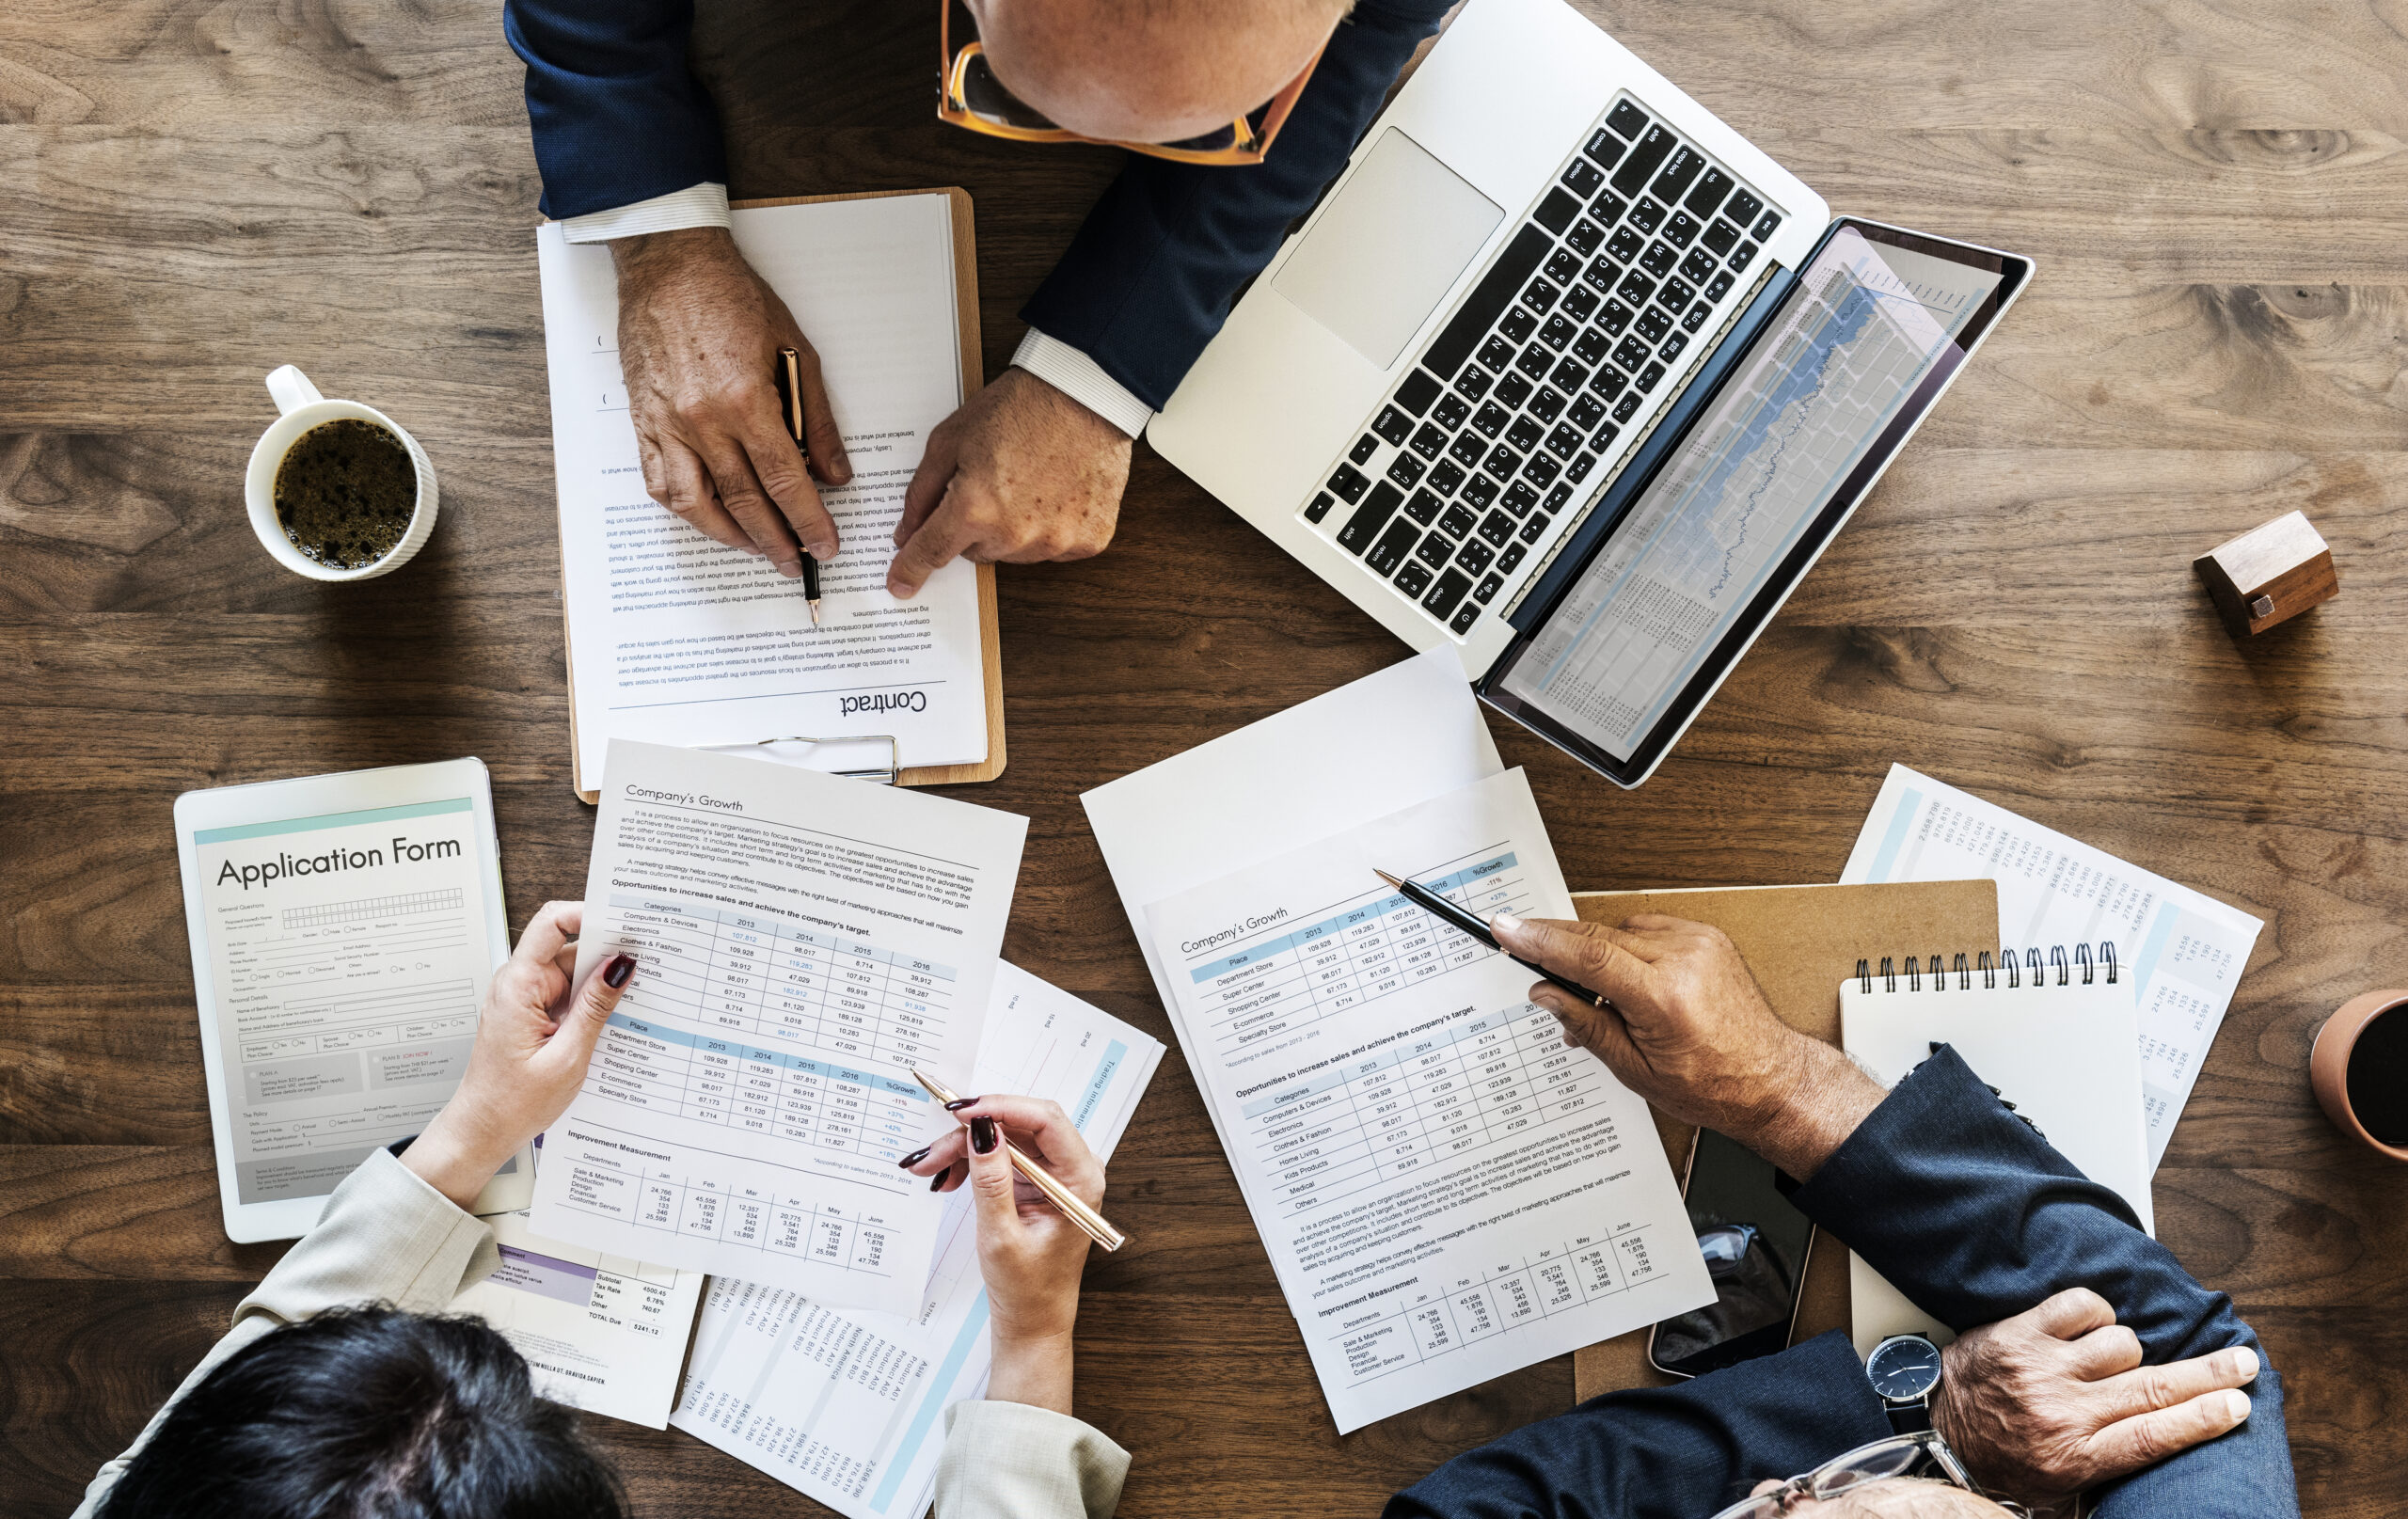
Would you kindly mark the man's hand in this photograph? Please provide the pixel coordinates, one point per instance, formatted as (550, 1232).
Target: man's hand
(699, 335)
(534, 1041)
(1689, 1030)
(1020, 475)
(2047, 1403)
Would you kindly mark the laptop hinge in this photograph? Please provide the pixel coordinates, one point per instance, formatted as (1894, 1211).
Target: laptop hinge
(1638, 443)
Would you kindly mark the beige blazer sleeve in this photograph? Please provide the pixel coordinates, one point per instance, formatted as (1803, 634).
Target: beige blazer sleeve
(1010, 1460)
(386, 1236)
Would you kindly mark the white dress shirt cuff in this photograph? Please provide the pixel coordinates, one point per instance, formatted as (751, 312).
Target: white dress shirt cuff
(697, 205)
(1083, 380)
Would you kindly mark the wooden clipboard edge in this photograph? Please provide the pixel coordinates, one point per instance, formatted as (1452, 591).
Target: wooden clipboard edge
(973, 379)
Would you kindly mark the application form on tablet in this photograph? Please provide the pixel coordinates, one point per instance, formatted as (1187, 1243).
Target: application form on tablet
(343, 927)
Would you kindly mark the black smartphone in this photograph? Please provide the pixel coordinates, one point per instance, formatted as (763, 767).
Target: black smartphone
(1755, 1245)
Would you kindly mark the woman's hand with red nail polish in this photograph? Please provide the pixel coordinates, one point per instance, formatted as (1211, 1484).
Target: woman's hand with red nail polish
(535, 1033)
(1029, 1253)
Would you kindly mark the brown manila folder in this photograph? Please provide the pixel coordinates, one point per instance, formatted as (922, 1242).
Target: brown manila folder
(1801, 941)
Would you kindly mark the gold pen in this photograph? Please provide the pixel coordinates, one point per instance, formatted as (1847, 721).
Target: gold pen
(1095, 1225)
(789, 378)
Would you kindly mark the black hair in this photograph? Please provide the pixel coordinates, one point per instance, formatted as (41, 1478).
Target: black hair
(368, 1413)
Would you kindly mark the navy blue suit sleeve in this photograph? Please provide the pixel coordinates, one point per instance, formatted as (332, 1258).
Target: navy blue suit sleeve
(1153, 273)
(1975, 1218)
(617, 116)
(1665, 1453)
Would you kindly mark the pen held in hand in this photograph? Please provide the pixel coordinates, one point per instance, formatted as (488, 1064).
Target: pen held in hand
(1430, 902)
(1094, 1224)
(787, 375)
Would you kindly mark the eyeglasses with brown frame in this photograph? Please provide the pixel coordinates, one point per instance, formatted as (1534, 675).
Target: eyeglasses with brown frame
(970, 96)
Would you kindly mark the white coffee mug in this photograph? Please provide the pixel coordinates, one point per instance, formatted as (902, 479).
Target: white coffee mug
(305, 408)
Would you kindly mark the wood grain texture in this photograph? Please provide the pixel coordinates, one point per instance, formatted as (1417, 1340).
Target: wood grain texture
(2216, 192)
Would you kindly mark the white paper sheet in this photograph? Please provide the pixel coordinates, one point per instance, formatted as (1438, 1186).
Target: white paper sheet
(2183, 951)
(1363, 751)
(803, 941)
(599, 1332)
(849, 1407)
(676, 638)
(1446, 1191)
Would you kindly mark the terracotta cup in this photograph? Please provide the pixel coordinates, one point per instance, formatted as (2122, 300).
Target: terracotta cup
(2328, 1066)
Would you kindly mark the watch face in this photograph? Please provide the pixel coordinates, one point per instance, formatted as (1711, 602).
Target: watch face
(1906, 1366)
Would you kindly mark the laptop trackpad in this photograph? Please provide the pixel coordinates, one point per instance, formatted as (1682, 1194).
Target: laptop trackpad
(1399, 234)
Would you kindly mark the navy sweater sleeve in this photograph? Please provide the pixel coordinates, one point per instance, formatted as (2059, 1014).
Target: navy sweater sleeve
(617, 116)
(1665, 1453)
(1975, 1218)
(1153, 273)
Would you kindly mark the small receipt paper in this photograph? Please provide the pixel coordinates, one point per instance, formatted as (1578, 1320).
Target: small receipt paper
(801, 941)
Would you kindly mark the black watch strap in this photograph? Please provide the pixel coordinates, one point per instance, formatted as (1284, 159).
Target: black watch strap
(1911, 1418)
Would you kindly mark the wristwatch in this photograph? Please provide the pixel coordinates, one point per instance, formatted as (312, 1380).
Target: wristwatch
(1904, 1371)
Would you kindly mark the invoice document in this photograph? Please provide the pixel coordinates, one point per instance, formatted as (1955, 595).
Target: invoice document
(675, 636)
(2183, 951)
(848, 1407)
(801, 943)
(1447, 1190)
(600, 1332)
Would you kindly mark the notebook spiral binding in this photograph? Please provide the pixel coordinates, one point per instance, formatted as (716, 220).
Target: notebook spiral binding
(1990, 970)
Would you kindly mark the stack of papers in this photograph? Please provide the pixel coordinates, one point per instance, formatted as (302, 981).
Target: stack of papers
(848, 1407)
(1446, 1191)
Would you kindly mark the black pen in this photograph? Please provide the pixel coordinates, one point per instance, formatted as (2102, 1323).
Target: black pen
(1430, 901)
(789, 378)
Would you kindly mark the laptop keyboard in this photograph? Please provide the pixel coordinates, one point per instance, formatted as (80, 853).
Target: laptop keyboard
(1631, 255)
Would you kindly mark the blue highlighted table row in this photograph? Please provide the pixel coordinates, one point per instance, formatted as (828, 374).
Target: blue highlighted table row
(748, 1087)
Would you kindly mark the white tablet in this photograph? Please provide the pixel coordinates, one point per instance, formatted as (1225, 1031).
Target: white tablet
(344, 927)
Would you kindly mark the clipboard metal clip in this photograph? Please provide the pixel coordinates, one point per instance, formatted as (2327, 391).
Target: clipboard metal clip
(885, 775)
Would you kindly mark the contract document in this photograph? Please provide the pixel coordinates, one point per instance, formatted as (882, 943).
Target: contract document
(849, 1407)
(2183, 951)
(801, 941)
(599, 1332)
(675, 636)
(1447, 1192)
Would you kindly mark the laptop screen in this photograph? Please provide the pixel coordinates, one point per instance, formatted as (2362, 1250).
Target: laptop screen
(1709, 542)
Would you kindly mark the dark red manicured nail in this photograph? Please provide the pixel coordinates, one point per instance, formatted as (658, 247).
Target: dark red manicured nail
(914, 1158)
(936, 1184)
(960, 1103)
(614, 974)
(983, 1135)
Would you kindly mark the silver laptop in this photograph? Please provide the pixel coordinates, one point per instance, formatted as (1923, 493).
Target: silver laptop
(1566, 375)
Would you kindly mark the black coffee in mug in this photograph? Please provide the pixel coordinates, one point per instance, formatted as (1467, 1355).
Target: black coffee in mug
(2377, 1077)
(345, 493)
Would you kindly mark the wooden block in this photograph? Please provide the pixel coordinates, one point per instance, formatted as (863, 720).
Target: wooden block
(2269, 575)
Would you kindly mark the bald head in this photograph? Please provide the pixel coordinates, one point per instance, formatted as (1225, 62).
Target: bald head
(1151, 71)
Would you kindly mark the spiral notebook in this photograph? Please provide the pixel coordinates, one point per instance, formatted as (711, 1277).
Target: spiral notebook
(2055, 1031)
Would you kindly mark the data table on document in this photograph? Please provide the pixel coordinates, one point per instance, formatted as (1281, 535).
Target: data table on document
(1413, 1328)
(759, 1024)
(1349, 958)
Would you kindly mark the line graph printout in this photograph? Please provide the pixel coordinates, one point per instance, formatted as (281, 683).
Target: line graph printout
(1446, 1191)
(676, 637)
(1862, 329)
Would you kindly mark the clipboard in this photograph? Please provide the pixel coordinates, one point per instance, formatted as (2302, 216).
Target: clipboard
(1801, 941)
(965, 274)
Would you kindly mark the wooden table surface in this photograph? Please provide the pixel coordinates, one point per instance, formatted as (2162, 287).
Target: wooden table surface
(2216, 193)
